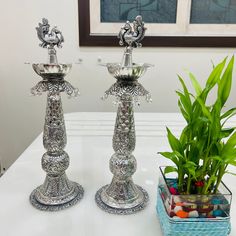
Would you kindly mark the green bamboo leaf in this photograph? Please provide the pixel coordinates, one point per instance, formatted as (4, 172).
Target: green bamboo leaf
(228, 113)
(203, 119)
(199, 172)
(197, 109)
(171, 156)
(187, 99)
(174, 142)
(231, 142)
(170, 169)
(184, 101)
(180, 156)
(195, 84)
(226, 119)
(229, 154)
(224, 85)
(191, 164)
(217, 158)
(186, 92)
(213, 79)
(205, 110)
(230, 157)
(215, 126)
(184, 136)
(226, 132)
(215, 74)
(190, 167)
(193, 154)
(184, 113)
(233, 163)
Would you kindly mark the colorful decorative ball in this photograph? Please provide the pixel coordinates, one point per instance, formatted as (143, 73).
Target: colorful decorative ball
(172, 214)
(173, 191)
(177, 208)
(218, 212)
(216, 201)
(182, 214)
(199, 183)
(175, 185)
(204, 199)
(193, 214)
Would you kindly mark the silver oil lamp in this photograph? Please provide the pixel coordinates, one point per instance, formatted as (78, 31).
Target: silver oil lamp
(57, 192)
(122, 196)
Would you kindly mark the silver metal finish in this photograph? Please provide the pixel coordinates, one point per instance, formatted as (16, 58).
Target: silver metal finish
(57, 192)
(121, 211)
(49, 39)
(131, 38)
(122, 196)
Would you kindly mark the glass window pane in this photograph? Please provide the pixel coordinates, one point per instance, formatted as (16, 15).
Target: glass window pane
(152, 11)
(213, 12)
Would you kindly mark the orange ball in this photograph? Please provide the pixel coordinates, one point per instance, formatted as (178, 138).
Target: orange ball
(182, 214)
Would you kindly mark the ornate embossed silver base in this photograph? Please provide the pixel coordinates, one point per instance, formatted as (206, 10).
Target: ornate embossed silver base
(57, 192)
(121, 211)
(76, 196)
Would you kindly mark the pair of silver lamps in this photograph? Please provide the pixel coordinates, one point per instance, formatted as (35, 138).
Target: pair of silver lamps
(57, 192)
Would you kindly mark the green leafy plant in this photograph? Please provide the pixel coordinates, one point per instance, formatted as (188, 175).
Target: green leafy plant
(205, 147)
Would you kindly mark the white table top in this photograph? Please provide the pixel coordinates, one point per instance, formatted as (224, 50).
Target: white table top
(90, 148)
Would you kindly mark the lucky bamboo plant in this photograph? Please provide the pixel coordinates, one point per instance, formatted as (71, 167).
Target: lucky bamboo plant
(206, 147)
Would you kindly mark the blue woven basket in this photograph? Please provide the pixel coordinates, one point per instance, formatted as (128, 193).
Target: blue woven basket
(191, 226)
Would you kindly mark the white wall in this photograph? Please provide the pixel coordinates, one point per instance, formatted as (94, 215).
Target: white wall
(22, 116)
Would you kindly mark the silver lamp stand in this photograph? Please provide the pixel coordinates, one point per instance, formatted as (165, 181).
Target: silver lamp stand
(122, 196)
(57, 192)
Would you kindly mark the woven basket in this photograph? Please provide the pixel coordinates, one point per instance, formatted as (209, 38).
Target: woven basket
(191, 226)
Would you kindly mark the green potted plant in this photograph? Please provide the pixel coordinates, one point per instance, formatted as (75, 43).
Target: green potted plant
(191, 194)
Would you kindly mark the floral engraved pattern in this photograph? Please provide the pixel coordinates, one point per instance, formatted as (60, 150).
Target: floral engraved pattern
(134, 89)
(124, 134)
(55, 165)
(122, 196)
(55, 87)
(123, 167)
(54, 138)
(57, 191)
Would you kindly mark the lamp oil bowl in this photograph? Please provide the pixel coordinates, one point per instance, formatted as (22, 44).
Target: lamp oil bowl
(192, 214)
(52, 71)
(127, 73)
(122, 196)
(57, 192)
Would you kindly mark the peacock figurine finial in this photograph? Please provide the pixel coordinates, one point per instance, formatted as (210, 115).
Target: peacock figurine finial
(49, 39)
(131, 38)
